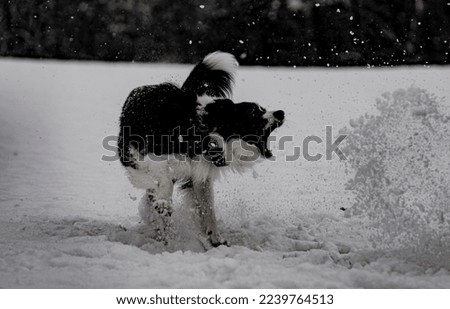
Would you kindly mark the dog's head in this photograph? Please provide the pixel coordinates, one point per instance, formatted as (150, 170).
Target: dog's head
(243, 125)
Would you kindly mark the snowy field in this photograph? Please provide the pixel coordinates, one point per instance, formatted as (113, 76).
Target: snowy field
(69, 219)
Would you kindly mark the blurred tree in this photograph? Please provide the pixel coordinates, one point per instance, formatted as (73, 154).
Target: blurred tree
(5, 26)
(262, 32)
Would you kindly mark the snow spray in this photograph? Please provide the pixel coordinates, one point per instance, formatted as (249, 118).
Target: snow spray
(399, 162)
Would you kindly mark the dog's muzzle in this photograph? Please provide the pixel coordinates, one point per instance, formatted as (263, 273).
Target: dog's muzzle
(274, 119)
(279, 116)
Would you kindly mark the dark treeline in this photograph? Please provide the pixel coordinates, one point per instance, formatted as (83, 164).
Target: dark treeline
(262, 32)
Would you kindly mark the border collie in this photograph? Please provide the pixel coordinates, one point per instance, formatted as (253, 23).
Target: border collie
(188, 135)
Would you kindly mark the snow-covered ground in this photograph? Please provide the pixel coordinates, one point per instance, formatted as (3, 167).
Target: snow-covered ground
(69, 219)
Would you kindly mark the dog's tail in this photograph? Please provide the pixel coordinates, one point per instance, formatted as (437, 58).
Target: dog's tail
(213, 76)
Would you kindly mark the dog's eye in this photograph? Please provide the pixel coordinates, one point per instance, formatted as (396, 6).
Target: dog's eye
(257, 110)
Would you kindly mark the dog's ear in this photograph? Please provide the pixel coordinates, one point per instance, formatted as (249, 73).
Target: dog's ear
(219, 114)
(220, 106)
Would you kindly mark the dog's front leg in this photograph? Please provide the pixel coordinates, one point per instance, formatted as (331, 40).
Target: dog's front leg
(200, 198)
(156, 208)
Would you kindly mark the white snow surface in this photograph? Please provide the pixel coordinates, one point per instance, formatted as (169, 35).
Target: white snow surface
(68, 219)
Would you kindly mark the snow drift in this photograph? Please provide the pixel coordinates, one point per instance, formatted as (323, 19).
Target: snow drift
(69, 219)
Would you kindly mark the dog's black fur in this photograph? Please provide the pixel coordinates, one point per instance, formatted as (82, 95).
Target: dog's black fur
(154, 117)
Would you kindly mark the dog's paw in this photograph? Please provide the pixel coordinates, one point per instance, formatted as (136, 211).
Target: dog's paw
(163, 207)
(163, 223)
(216, 240)
(208, 244)
(164, 230)
(220, 243)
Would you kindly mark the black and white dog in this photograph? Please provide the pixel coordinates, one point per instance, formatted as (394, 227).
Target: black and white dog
(188, 135)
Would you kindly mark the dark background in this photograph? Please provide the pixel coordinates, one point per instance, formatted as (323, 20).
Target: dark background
(264, 32)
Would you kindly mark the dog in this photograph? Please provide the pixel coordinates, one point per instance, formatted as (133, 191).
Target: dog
(188, 135)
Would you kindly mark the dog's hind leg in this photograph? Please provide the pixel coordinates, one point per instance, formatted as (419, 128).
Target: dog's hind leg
(157, 208)
(200, 198)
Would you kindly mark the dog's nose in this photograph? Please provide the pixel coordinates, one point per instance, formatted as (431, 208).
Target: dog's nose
(279, 115)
